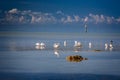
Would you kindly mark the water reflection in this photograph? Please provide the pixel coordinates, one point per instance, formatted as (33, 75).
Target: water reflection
(106, 46)
(75, 58)
(111, 48)
(56, 52)
(76, 49)
(40, 46)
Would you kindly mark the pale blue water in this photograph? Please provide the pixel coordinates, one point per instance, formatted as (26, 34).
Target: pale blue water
(18, 55)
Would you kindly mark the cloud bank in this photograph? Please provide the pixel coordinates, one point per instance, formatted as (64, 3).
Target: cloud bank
(15, 16)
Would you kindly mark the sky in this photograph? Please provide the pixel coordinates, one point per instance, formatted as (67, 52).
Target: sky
(100, 16)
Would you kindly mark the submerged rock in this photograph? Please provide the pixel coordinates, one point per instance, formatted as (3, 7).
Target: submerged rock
(75, 58)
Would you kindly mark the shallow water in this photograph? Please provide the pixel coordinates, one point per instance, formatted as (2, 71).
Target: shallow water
(18, 54)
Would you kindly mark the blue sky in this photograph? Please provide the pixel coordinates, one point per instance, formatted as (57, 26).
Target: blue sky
(60, 15)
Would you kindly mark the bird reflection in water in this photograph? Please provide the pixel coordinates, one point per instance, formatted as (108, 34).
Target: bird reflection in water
(56, 52)
(110, 46)
(76, 49)
(75, 58)
(40, 45)
(106, 46)
(77, 46)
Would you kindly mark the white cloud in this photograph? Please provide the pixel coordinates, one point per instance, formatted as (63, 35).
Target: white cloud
(13, 11)
(47, 14)
(95, 18)
(42, 18)
(77, 18)
(15, 16)
(69, 19)
(33, 19)
(21, 19)
(110, 19)
(39, 19)
(101, 19)
(118, 19)
(25, 12)
(27, 16)
(62, 20)
(11, 19)
(60, 12)
(85, 19)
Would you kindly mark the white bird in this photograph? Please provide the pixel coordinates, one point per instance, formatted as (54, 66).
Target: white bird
(106, 46)
(111, 46)
(77, 44)
(42, 45)
(65, 43)
(37, 44)
(56, 45)
(90, 44)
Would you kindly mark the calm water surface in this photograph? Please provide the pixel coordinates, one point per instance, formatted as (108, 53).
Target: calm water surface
(20, 59)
